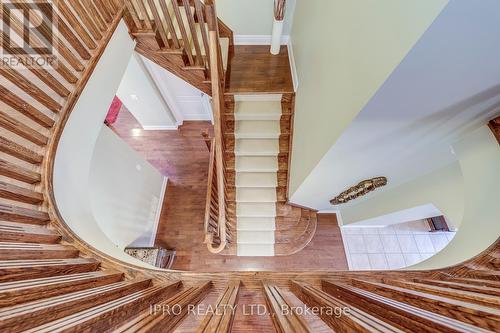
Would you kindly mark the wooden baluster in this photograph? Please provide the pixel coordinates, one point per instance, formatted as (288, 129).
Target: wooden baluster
(170, 24)
(159, 23)
(105, 9)
(76, 25)
(204, 34)
(134, 15)
(86, 19)
(31, 89)
(40, 72)
(143, 14)
(194, 33)
(95, 15)
(65, 30)
(208, 202)
(185, 38)
(45, 32)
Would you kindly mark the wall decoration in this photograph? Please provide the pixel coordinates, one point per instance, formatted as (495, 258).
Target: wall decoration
(359, 190)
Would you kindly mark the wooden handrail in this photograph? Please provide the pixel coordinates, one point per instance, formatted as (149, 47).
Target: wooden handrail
(216, 69)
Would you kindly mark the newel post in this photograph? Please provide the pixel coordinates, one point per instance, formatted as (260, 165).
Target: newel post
(279, 15)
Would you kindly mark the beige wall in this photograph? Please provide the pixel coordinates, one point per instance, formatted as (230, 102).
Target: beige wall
(479, 156)
(344, 50)
(252, 17)
(442, 188)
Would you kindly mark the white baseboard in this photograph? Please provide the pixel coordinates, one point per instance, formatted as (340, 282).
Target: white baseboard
(258, 98)
(160, 128)
(293, 67)
(158, 212)
(257, 39)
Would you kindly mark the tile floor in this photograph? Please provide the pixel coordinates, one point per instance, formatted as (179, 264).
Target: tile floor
(391, 247)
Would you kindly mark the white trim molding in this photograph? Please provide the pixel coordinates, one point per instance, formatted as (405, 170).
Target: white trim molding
(293, 67)
(161, 128)
(154, 231)
(258, 98)
(257, 39)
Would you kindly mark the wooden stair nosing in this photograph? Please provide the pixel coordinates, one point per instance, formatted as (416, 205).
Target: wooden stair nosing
(357, 320)
(17, 292)
(24, 131)
(21, 194)
(28, 315)
(288, 321)
(23, 215)
(20, 251)
(464, 311)
(158, 321)
(487, 290)
(400, 313)
(461, 295)
(15, 270)
(109, 315)
(26, 109)
(9, 147)
(222, 319)
(27, 233)
(17, 172)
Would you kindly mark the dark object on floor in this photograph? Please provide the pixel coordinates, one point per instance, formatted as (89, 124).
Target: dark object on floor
(155, 256)
(438, 223)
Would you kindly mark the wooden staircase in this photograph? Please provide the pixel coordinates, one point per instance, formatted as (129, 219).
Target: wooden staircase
(52, 281)
(180, 41)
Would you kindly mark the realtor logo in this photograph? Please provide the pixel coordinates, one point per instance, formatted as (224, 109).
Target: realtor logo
(27, 33)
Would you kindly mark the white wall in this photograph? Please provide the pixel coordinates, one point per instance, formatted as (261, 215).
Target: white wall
(142, 98)
(76, 147)
(479, 156)
(126, 192)
(185, 101)
(442, 189)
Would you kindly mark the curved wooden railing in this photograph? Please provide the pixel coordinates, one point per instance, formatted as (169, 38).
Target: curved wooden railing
(52, 280)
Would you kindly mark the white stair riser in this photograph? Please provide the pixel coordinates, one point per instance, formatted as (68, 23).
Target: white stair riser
(256, 209)
(257, 129)
(255, 147)
(249, 194)
(256, 223)
(256, 179)
(255, 237)
(252, 250)
(256, 164)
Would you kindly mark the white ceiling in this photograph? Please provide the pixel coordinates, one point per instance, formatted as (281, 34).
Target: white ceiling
(448, 84)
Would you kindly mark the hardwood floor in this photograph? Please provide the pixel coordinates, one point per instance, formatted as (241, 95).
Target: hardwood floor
(254, 70)
(183, 157)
